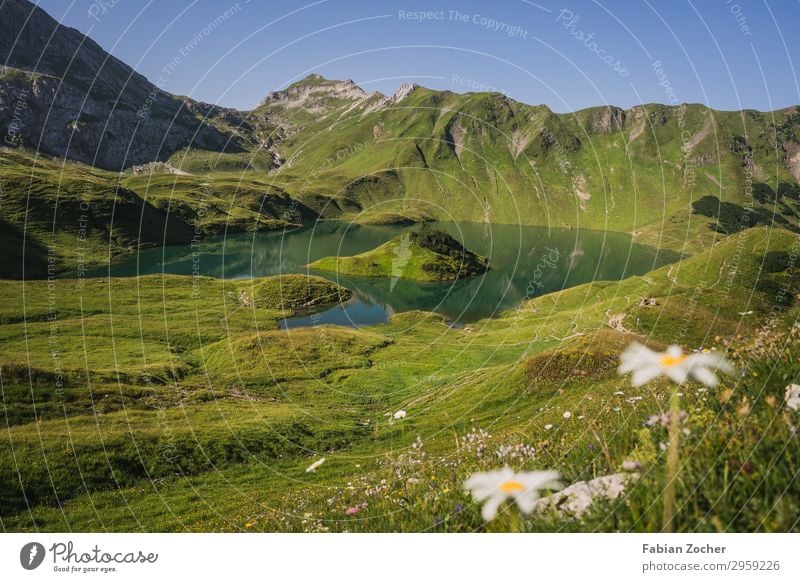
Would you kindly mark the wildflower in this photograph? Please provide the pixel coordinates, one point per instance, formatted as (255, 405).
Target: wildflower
(793, 397)
(645, 364)
(548, 426)
(515, 452)
(664, 418)
(315, 465)
(567, 414)
(352, 510)
(575, 500)
(494, 487)
(399, 414)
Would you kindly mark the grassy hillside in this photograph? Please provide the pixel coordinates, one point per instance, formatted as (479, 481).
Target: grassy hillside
(179, 403)
(296, 293)
(484, 157)
(428, 255)
(66, 217)
(678, 178)
(201, 416)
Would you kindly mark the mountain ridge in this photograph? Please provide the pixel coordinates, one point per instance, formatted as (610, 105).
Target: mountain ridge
(323, 148)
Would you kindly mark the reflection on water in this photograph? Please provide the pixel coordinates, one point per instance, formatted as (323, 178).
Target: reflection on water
(526, 261)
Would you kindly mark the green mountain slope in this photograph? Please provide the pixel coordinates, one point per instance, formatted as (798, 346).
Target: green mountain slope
(340, 151)
(150, 427)
(70, 217)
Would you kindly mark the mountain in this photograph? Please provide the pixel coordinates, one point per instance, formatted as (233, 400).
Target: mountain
(62, 94)
(678, 177)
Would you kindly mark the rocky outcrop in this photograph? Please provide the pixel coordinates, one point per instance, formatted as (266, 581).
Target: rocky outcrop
(63, 95)
(316, 95)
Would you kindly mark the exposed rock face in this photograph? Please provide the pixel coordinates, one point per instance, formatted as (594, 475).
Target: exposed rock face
(314, 92)
(402, 92)
(62, 94)
(158, 168)
(318, 97)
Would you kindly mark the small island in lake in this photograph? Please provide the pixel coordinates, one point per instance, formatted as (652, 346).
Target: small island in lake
(428, 255)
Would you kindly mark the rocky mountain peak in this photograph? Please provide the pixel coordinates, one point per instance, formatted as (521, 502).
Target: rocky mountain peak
(315, 92)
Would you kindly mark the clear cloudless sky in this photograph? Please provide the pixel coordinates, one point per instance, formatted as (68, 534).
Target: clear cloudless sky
(727, 54)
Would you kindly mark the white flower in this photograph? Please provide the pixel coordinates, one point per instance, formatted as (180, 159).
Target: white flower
(575, 500)
(793, 397)
(315, 465)
(494, 487)
(548, 426)
(567, 414)
(645, 364)
(399, 414)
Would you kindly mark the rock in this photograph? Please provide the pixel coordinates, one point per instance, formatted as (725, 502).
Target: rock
(574, 501)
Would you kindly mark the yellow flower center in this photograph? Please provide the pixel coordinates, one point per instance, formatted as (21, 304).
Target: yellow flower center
(668, 361)
(511, 486)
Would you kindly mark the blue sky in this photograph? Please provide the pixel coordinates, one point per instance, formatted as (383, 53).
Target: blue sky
(728, 54)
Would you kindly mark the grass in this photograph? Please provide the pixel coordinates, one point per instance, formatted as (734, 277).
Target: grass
(198, 414)
(293, 293)
(62, 217)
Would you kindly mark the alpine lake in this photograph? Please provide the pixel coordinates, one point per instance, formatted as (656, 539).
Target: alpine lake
(525, 262)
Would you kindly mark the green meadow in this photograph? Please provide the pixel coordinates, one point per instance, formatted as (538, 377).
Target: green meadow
(188, 403)
(172, 403)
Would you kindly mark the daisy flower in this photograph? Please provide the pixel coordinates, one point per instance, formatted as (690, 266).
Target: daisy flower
(315, 465)
(494, 487)
(399, 414)
(793, 397)
(645, 364)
